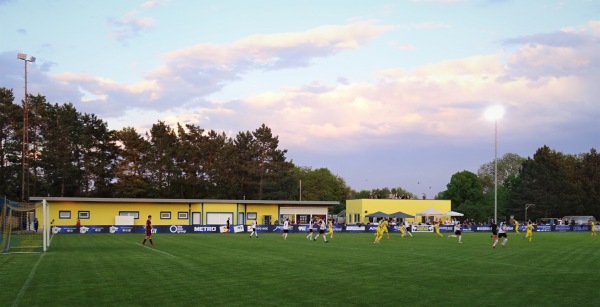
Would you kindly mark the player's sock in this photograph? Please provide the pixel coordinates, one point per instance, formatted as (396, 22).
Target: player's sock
(144, 242)
(495, 242)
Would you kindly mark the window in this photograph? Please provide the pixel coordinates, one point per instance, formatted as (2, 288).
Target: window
(135, 214)
(182, 215)
(64, 214)
(251, 215)
(165, 215)
(83, 215)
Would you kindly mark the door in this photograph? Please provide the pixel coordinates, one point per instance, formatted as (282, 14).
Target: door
(196, 218)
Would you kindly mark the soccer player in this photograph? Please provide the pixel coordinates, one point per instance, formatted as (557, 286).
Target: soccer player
(402, 229)
(227, 228)
(436, 226)
(286, 227)
(311, 225)
(384, 227)
(457, 232)
(494, 231)
(529, 233)
(408, 228)
(516, 227)
(379, 233)
(330, 229)
(254, 232)
(593, 225)
(321, 225)
(501, 234)
(148, 231)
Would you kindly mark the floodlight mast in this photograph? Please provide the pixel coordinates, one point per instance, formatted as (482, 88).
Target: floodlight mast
(25, 149)
(494, 113)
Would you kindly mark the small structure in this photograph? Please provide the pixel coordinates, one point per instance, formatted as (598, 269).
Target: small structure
(358, 210)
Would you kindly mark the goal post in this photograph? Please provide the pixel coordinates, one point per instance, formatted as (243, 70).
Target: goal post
(22, 227)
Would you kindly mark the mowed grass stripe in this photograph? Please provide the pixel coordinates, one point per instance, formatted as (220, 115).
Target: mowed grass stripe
(235, 270)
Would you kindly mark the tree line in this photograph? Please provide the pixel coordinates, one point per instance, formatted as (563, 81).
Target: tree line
(73, 154)
(550, 184)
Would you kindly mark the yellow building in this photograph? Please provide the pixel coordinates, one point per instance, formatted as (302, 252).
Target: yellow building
(64, 211)
(358, 209)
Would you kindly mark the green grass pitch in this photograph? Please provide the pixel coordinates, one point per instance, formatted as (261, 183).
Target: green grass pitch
(235, 270)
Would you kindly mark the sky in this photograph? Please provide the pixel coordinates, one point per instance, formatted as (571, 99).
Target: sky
(381, 93)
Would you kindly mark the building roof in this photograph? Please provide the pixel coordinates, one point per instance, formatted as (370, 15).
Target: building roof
(186, 201)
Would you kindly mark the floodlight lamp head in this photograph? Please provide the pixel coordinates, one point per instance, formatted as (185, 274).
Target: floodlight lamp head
(32, 59)
(494, 113)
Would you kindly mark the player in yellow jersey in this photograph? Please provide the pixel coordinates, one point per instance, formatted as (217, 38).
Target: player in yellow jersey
(402, 229)
(384, 225)
(516, 227)
(330, 229)
(593, 224)
(379, 233)
(436, 226)
(529, 233)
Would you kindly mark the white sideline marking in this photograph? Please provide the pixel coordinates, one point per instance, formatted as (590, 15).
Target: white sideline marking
(156, 250)
(27, 282)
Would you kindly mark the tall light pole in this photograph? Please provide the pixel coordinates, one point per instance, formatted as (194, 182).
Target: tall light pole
(527, 207)
(495, 113)
(25, 149)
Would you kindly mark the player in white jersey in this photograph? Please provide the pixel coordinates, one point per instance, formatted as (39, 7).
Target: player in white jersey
(322, 227)
(457, 232)
(254, 232)
(311, 229)
(408, 228)
(501, 234)
(286, 228)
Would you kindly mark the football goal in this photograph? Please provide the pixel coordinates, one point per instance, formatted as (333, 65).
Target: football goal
(22, 227)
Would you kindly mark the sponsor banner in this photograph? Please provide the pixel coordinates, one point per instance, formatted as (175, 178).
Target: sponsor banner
(352, 228)
(582, 228)
(177, 229)
(422, 228)
(94, 229)
(543, 228)
(483, 228)
(279, 228)
(371, 228)
(446, 228)
(355, 228)
(206, 229)
(468, 229)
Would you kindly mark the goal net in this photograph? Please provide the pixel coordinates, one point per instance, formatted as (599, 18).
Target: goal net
(21, 227)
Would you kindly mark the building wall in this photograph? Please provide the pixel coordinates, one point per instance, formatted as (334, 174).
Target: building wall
(363, 207)
(103, 213)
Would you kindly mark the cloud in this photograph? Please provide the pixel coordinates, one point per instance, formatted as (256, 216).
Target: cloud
(129, 26)
(563, 53)
(151, 4)
(191, 74)
(550, 85)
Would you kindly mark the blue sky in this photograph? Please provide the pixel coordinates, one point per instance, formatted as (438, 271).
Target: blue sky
(382, 93)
